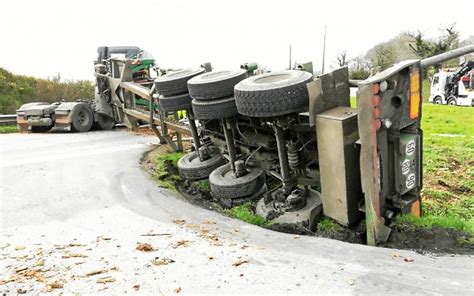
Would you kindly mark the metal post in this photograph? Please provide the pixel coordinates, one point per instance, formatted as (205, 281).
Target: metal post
(324, 50)
(437, 59)
(289, 64)
(283, 158)
(152, 125)
(179, 137)
(194, 133)
(229, 138)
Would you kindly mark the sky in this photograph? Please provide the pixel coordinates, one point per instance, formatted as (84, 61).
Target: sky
(44, 38)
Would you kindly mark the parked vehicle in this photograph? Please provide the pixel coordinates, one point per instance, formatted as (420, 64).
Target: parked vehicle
(454, 88)
(82, 116)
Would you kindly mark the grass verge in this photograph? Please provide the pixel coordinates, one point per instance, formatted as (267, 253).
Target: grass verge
(328, 226)
(245, 213)
(7, 129)
(448, 167)
(429, 221)
(161, 162)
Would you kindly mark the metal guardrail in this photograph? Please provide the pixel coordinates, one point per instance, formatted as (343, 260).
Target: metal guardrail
(7, 119)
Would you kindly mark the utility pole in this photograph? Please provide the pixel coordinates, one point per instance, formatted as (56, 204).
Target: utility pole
(289, 64)
(324, 50)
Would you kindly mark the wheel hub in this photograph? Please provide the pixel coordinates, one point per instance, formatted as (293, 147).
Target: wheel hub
(81, 117)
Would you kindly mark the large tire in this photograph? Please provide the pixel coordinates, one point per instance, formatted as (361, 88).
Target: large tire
(104, 122)
(215, 85)
(452, 101)
(216, 109)
(273, 94)
(41, 129)
(224, 185)
(190, 167)
(175, 83)
(437, 100)
(175, 103)
(81, 118)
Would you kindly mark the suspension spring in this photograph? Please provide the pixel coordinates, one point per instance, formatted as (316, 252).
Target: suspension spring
(294, 160)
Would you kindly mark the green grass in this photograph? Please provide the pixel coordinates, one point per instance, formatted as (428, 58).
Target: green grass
(448, 167)
(429, 221)
(353, 102)
(244, 212)
(328, 226)
(6, 129)
(203, 185)
(161, 175)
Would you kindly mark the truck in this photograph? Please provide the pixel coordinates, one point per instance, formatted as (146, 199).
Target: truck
(288, 139)
(84, 115)
(454, 88)
(292, 142)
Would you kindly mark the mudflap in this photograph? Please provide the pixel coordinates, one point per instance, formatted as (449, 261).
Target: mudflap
(369, 167)
(62, 123)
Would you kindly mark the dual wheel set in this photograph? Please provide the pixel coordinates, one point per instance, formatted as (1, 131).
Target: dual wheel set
(209, 97)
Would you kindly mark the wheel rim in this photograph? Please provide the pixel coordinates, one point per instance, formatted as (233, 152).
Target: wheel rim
(81, 117)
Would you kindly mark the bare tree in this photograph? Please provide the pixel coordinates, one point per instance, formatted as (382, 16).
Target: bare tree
(342, 59)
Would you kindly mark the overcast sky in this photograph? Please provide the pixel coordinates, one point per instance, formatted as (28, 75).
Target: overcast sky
(43, 38)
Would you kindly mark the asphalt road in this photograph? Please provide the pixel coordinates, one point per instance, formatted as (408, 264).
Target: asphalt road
(74, 208)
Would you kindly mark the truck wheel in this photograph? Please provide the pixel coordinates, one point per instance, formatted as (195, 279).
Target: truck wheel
(41, 129)
(452, 101)
(225, 185)
(215, 85)
(192, 168)
(215, 109)
(81, 118)
(437, 100)
(104, 122)
(273, 94)
(175, 83)
(175, 103)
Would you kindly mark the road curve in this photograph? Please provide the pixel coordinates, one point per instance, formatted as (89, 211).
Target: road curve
(71, 204)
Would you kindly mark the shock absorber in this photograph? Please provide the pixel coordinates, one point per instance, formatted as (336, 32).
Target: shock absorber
(294, 160)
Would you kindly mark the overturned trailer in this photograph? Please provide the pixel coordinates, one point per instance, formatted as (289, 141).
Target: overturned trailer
(292, 141)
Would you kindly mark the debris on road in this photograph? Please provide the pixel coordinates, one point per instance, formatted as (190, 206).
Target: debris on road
(179, 221)
(73, 255)
(96, 272)
(181, 243)
(240, 262)
(145, 247)
(105, 280)
(54, 285)
(151, 233)
(161, 261)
